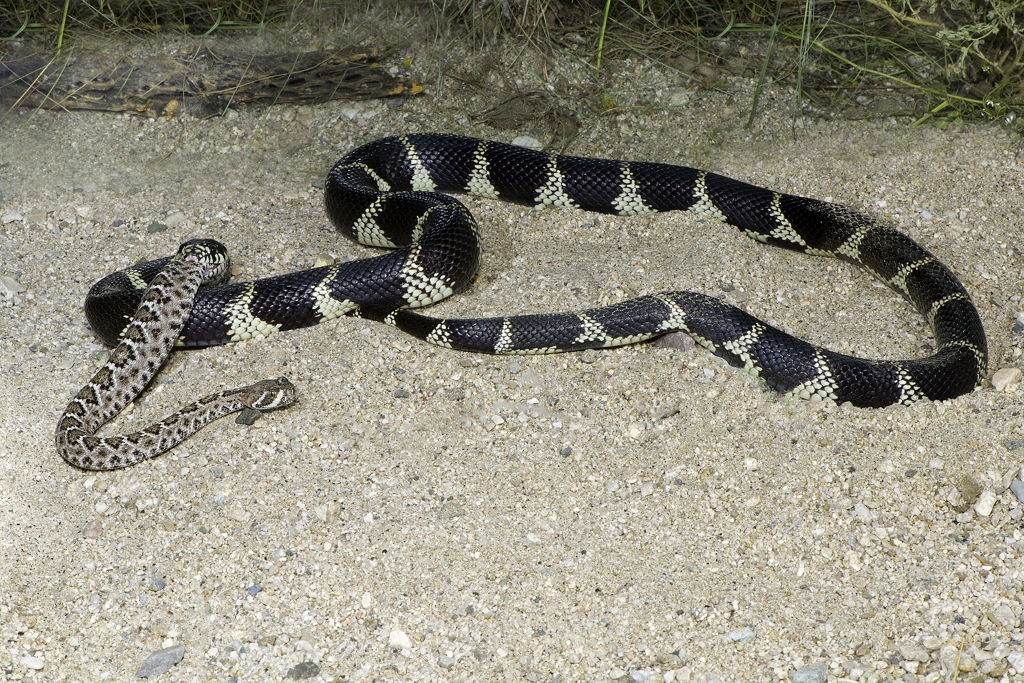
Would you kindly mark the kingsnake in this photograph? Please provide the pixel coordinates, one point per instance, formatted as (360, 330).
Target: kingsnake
(146, 343)
(386, 194)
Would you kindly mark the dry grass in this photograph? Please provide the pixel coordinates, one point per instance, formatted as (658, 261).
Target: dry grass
(952, 60)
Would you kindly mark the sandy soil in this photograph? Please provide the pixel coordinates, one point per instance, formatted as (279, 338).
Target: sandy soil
(422, 514)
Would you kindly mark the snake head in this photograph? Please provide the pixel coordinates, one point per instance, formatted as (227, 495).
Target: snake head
(212, 254)
(270, 394)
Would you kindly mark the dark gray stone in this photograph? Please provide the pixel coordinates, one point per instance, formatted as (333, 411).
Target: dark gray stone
(303, 671)
(161, 661)
(1017, 489)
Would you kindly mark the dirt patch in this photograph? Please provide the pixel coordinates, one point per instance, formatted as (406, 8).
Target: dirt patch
(427, 515)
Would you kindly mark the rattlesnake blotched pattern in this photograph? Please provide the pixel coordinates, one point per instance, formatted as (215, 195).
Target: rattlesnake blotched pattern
(148, 340)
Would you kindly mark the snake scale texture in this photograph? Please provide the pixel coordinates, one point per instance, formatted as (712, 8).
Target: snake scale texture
(387, 193)
(147, 342)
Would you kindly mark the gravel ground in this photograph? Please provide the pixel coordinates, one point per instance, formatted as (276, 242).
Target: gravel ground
(642, 514)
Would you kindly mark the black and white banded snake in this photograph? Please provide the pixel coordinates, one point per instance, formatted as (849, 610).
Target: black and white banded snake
(386, 193)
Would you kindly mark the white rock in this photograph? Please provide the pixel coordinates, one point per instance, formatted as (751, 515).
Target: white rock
(936, 464)
(239, 515)
(1016, 660)
(34, 663)
(399, 640)
(986, 501)
(913, 653)
(677, 97)
(174, 219)
(85, 211)
(10, 216)
(9, 286)
(862, 513)
(1005, 616)
(527, 142)
(1006, 379)
(948, 654)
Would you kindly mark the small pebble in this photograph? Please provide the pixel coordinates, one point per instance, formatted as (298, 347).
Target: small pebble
(399, 640)
(862, 513)
(676, 340)
(936, 464)
(742, 635)
(239, 515)
(94, 529)
(1006, 379)
(1016, 660)
(161, 661)
(967, 663)
(10, 216)
(1008, 477)
(677, 97)
(303, 671)
(9, 287)
(1017, 489)
(913, 652)
(1005, 617)
(986, 501)
(34, 663)
(948, 654)
(253, 589)
(812, 673)
(155, 227)
(683, 674)
(174, 219)
(527, 142)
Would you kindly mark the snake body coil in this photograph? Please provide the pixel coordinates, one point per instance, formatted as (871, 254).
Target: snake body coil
(386, 194)
(166, 305)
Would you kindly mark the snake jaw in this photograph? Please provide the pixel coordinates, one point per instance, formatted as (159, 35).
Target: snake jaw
(212, 255)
